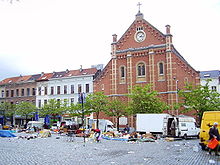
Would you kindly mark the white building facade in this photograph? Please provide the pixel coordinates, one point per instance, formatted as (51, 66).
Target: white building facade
(64, 86)
(214, 76)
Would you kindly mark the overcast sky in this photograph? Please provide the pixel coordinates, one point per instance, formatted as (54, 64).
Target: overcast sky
(54, 35)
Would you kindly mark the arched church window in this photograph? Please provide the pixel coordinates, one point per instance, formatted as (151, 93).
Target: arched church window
(141, 69)
(122, 72)
(161, 68)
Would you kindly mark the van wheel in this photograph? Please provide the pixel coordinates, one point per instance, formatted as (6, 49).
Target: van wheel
(185, 136)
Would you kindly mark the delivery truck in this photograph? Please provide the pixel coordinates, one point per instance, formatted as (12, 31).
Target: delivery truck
(167, 125)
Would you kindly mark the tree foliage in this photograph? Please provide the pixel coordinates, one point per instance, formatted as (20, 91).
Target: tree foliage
(7, 109)
(25, 109)
(116, 108)
(97, 103)
(199, 98)
(144, 100)
(53, 107)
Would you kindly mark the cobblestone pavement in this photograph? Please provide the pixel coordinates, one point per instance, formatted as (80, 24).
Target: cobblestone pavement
(53, 151)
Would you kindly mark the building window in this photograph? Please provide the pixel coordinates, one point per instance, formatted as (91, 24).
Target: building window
(39, 103)
(3, 93)
(141, 69)
(52, 90)
(45, 90)
(214, 88)
(72, 100)
(45, 101)
(22, 92)
(186, 80)
(58, 90)
(12, 93)
(39, 91)
(7, 93)
(122, 72)
(161, 68)
(33, 92)
(65, 89)
(79, 88)
(28, 91)
(17, 92)
(72, 89)
(87, 88)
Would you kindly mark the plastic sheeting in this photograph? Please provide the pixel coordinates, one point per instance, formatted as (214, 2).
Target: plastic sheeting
(6, 133)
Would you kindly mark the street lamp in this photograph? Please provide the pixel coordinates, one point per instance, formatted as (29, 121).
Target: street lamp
(82, 101)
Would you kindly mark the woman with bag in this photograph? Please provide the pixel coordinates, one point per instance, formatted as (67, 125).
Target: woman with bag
(213, 133)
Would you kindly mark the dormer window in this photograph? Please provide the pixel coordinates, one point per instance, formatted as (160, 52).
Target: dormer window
(206, 75)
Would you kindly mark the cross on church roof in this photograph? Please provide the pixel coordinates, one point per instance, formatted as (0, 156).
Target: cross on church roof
(139, 6)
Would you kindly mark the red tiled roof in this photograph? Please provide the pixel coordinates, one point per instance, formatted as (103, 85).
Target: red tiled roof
(88, 71)
(9, 80)
(24, 78)
(45, 77)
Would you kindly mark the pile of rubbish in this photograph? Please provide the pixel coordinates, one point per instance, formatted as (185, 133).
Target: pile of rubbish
(134, 137)
(42, 134)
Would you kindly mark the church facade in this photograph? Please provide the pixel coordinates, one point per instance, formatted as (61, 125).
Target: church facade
(144, 55)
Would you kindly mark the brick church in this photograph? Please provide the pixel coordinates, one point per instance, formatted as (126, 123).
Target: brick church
(145, 55)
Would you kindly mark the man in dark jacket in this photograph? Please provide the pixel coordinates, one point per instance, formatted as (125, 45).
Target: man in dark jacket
(213, 133)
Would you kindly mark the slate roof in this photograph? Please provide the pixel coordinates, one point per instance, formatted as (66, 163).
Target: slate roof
(210, 74)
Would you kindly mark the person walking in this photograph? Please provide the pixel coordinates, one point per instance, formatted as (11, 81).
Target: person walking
(214, 133)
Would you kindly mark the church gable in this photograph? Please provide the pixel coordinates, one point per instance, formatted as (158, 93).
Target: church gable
(140, 34)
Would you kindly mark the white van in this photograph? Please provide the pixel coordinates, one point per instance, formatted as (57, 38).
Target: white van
(104, 125)
(181, 126)
(37, 124)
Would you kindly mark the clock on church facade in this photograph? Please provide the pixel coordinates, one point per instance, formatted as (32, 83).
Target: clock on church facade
(144, 55)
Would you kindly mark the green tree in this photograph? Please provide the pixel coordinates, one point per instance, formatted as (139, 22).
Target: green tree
(144, 100)
(7, 110)
(96, 103)
(199, 98)
(53, 108)
(116, 108)
(26, 109)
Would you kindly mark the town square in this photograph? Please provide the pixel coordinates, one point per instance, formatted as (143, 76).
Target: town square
(115, 82)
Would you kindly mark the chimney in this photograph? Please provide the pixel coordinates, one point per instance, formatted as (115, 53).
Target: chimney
(114, 38)
(167, 29)
(67, 70)
(80, 68)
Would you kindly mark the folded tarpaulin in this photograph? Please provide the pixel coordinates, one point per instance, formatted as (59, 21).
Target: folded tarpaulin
(119, 139)
(6, 133)
(141, 140)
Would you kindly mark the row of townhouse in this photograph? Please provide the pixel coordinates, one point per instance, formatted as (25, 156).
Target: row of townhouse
(39, 88)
